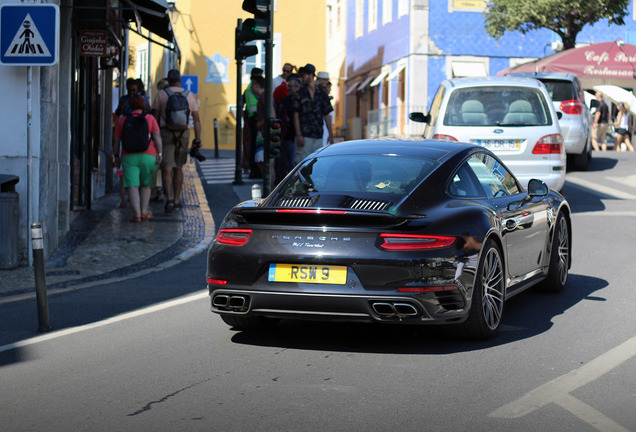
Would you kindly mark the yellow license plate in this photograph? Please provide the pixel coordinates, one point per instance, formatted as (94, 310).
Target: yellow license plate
(308, 274)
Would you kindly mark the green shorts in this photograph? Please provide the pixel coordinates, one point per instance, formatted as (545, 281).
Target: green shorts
(138, 168)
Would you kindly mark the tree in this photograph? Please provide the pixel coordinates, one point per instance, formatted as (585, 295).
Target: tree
(564, 17)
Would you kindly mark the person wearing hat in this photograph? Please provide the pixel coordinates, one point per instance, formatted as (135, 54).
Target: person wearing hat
(322, 78)
(175, 144)
(312, 110)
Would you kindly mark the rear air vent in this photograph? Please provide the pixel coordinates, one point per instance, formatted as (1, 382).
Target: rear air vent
(366, 204)
(298, 202)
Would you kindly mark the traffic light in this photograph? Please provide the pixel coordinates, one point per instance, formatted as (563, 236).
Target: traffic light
(258, 27)
(275, 137)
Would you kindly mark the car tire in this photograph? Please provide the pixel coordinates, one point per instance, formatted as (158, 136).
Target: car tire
(580, 161)
(488, 298)
(559, 258)
(249, 323)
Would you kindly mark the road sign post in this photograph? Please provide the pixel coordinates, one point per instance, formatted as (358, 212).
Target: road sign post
(29, 36)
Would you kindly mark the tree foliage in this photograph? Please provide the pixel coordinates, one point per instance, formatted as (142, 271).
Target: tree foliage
(564, 17)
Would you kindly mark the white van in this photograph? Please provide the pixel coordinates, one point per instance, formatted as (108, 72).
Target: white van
(513, 117)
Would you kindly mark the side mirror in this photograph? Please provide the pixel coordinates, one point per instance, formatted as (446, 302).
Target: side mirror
(420, 117)
(537, 188)
(559, 115)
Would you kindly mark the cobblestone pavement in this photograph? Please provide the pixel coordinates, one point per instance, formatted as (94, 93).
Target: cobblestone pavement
(102, 245)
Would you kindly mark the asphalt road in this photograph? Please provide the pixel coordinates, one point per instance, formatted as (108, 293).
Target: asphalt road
(146, 354)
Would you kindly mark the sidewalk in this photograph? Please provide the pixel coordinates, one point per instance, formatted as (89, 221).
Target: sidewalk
(103, 246)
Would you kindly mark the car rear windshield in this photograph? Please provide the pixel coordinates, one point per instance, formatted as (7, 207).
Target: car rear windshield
(358, 175)
(497, 106)
(560, 90)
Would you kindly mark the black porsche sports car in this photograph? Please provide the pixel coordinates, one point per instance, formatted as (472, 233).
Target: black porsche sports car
(390, 231)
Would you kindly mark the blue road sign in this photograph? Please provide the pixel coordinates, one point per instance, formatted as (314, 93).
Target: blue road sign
(190, 82)
(29, 34)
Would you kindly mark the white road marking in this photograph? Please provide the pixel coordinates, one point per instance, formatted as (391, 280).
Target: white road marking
(558, 390)
(626, 180)
(589, 414)
(575, 181)
(115, 319)
(621, 213)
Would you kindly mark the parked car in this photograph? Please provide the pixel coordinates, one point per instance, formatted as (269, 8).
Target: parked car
(390, 231)
(513, 117)
(576, 121)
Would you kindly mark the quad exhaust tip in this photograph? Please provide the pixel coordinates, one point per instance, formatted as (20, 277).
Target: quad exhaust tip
(395, 309)
(236, 303)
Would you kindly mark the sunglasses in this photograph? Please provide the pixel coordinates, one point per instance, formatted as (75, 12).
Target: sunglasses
(287, 70)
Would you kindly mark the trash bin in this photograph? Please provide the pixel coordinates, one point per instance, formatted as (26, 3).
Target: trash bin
(9, 220)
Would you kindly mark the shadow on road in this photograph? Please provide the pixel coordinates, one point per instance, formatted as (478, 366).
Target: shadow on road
(526, 315)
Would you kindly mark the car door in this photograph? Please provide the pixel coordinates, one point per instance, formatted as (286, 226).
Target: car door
(524, 224)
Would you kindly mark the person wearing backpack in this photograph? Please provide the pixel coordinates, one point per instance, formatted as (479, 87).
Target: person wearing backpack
(137, 137)
(172, 107)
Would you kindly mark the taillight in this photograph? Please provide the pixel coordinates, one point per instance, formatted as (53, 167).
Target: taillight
(403, 242)
(549, 144)
(444, 137)
(233, 237)
(216, 281)
(571, 107)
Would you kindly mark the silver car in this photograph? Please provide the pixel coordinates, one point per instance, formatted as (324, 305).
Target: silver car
(576, 125)
(513, 117)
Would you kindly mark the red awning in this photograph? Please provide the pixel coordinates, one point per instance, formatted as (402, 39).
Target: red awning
(607, 60)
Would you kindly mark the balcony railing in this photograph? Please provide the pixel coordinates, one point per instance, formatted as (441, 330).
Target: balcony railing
(394, 121)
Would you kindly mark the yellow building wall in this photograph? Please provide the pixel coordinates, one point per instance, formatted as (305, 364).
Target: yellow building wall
(205, 29)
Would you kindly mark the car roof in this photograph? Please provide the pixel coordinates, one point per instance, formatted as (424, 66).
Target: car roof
(428, 148)
(493, 81)
(566, 76)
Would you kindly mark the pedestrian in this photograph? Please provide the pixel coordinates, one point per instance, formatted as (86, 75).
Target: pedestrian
(601, 119)
(162, 84)
(157, 193)
(312, 109)
(251, 118)
(622, 128)
(141, 89)
(322, 81)
(288, 68)
(322, 78)
(175, 137)
(123, 108)
(284, 109)
(138, 166)
(132, 87)
(258, 90)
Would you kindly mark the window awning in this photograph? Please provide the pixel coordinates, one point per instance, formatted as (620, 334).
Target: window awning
(352, 88)
(396, 72)
(364, 83)
(379, 78)
(151, 15)
(469, 69)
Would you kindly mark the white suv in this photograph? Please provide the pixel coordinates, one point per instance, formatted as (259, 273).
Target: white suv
(576, 125)
(513, 117)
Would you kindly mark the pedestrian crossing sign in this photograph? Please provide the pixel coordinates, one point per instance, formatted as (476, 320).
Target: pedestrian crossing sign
(29, 34)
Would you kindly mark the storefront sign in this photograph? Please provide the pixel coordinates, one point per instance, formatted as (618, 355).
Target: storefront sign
(93, 43)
